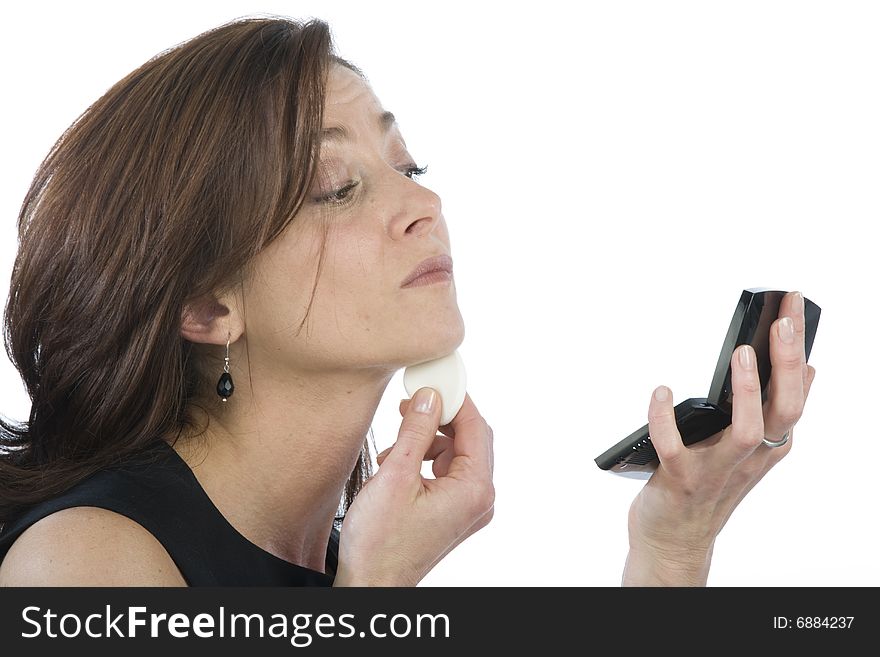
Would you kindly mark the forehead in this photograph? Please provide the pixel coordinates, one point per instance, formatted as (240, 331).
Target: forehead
(349, 98)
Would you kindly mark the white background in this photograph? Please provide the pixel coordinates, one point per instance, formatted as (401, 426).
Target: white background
(613, 176)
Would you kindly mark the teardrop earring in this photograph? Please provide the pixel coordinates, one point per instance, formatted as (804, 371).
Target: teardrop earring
(225, 387)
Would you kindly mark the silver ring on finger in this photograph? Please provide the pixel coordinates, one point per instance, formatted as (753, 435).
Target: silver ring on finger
(777, 443)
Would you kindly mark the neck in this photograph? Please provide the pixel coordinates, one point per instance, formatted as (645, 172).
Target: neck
(275, 461)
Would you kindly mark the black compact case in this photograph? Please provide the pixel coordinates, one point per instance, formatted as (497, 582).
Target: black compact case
(698, 418)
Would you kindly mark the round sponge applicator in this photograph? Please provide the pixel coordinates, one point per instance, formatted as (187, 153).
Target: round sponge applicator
(446, 375)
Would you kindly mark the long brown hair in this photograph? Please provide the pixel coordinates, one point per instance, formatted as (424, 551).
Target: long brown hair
(161, 192)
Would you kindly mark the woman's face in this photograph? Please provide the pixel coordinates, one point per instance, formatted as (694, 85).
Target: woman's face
(379, 230)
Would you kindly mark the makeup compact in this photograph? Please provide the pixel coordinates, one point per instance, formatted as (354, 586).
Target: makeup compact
(698, 418)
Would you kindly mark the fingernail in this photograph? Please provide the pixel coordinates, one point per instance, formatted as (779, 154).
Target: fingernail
(661, 393)
(424, 400)
(745, 356)
(786, 330)
(798, 305)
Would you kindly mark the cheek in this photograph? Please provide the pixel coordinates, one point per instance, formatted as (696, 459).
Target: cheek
(280, 284)
(352, 282)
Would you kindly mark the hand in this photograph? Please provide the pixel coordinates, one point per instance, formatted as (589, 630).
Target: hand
(401, 523)
(674, 520)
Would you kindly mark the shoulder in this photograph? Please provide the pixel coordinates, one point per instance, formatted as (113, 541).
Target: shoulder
(88, 546)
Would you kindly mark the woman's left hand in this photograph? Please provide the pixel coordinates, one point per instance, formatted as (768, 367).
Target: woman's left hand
(674, 520)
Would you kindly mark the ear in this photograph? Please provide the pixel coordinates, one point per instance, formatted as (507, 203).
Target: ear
(209, 320)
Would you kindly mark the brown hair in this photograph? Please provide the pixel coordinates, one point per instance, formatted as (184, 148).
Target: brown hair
(160, 193)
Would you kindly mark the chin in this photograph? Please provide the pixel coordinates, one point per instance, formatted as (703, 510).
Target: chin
(438, 339)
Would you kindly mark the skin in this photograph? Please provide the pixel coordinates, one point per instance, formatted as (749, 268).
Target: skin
(277, 459)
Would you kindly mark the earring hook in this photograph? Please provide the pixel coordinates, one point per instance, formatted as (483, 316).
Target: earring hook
(226, 360)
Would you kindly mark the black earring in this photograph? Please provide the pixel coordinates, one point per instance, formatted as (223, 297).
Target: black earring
(225, 385)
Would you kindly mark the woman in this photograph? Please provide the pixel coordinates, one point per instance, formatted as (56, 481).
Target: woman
(202, 383)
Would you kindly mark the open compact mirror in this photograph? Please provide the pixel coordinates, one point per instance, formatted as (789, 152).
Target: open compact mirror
(698, 418)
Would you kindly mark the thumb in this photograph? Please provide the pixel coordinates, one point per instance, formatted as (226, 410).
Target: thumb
(417, 431)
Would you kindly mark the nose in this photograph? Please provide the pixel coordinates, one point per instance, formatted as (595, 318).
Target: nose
(417, 211)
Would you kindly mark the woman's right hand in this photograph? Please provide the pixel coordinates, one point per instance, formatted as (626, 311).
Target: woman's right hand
(401, 523)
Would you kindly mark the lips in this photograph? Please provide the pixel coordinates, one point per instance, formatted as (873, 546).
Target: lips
(437, 263)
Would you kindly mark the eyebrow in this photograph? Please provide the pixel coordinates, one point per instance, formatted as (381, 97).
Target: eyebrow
(339, 132)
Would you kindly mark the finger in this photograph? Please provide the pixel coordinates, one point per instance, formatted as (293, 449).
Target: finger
(491, 452)
(776, 454)
(664, 432)
(747, 430)
(792, 305)
(472, 438)
(441, 444)
(810, 374)
(381, 455)
(467, 414)
(417, 431)
(785, 396)
(445, 429)
(443, 453)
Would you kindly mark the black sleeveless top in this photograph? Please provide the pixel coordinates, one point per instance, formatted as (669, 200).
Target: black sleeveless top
(158, 490)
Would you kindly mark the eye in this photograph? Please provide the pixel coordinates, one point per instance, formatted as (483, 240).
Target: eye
(341, 195)
(413, 170)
